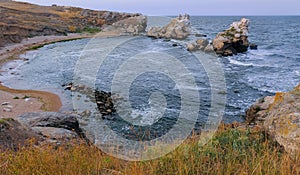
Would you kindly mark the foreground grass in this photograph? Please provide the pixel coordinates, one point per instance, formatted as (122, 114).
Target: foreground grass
(231, 151)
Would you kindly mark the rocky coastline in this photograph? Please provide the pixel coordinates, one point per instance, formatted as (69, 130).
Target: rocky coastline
(278, 115)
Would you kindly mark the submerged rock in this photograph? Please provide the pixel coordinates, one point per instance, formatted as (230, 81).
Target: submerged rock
(233, 40)
(253, 46)
(104, 102)
(179, 28)
(280, 117)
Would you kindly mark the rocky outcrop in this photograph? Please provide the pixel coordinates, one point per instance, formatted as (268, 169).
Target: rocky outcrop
(280, 117)
(233, 40)
(258, 112)
(179, 28)
(19, 20)
(53, 126)
(14, 135)
(133, 25)
(200, 44)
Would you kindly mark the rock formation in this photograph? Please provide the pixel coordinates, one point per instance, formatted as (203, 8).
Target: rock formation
(200, 44)
(52, 126)
(280, 117)
(179, 28)
(233, 40)
(14, 135)
(20, 20)
(133, 25)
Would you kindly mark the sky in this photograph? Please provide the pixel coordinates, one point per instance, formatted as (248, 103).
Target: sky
(192, 7)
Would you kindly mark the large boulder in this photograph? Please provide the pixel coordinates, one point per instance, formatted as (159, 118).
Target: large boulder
(53, 126)
(233, 40)
(132, 25)
(280, 117)
(200, 44)
(179, 28)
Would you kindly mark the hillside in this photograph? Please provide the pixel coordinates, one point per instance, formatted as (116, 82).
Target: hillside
(19, 20)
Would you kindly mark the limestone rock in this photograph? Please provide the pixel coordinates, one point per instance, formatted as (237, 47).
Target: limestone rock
(59, 134)
(257, 113)
(280, 117)
(52, 120)
(201, 44)
(233, 40)
(133, 25)
(191, 47)
(179, 28)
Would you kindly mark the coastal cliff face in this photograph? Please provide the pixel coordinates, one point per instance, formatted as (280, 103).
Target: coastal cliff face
(280, 117)
(19, 20)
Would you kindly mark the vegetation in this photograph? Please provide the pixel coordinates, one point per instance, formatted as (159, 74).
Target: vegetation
(231, 151)
(38, 46)
(91, 30)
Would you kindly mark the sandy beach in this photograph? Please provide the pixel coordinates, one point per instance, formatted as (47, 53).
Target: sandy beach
(14, 102)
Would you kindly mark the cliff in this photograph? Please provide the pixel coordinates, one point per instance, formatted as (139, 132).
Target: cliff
(19, 20)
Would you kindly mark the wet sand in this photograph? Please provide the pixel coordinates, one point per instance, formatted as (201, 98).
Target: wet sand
(14, 102)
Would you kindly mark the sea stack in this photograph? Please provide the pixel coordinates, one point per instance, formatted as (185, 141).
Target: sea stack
(233, 40)
(179, 28)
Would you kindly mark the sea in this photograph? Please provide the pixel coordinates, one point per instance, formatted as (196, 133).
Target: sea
(157, 81)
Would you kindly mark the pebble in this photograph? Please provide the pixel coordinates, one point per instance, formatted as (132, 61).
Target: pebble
(9, 106)
(7, 109)
(5, 103)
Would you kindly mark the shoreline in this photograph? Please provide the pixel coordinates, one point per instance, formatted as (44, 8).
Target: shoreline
(23, 101)
(41, 100)
(13, 51)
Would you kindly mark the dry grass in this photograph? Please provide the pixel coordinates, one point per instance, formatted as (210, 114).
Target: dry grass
(231, 151)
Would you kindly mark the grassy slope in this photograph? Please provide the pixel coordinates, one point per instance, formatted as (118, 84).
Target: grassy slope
(231, 151)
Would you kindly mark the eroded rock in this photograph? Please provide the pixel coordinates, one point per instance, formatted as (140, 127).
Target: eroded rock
(233, 40)
(280, 117)
(53, 126)
(179, 28)
(132, 25)
(14, 135)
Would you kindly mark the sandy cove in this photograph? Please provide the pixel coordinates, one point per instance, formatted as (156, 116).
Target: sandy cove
(14, 102)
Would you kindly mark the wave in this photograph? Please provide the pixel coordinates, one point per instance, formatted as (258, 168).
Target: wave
(235, 62)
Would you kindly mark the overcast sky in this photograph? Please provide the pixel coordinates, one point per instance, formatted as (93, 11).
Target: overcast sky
(193, 7)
